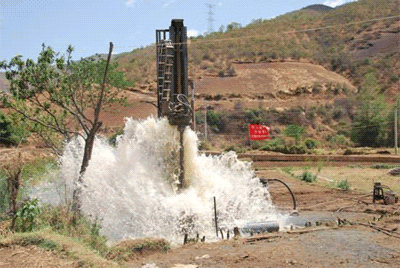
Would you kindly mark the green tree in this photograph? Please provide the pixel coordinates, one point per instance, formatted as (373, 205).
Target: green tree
(294, 131)
(12, 129)
(232, 26)
(370, 125)
(61, 97)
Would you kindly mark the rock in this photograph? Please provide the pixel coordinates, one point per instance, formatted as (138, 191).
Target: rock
(291, 262)
(395, 172)
(203, 257)
(185, 266)
(150, 265)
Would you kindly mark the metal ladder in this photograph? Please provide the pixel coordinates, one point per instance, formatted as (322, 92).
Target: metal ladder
(165, 68)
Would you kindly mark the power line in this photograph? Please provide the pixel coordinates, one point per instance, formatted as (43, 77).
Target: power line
(291, 32)
(275, 33)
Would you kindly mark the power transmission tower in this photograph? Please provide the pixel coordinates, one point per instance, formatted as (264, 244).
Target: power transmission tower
(210, 28)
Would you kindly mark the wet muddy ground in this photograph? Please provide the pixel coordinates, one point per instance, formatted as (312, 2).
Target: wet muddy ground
(347, 230)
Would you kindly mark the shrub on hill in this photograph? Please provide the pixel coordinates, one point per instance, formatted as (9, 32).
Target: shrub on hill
(12, 129)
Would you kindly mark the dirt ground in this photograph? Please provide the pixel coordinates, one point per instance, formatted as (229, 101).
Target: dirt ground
(355, 243)
(368, 235)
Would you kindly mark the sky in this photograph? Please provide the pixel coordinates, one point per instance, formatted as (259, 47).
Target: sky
(90, 25)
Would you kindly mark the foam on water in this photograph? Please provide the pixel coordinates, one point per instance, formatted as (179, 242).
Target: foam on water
(132, 187)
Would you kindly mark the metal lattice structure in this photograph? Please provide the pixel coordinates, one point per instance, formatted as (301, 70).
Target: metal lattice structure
(172, 82)
(172, 74)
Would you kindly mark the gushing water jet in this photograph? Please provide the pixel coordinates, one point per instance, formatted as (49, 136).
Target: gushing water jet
(154, 182)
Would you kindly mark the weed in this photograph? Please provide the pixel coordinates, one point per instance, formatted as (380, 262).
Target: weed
(129, 249)
(234, 148)
(311, 143)
(204, 145)
(354, 166)
(344, 184)
(288, 170)
(4, 195)
(320, 165)
(114, 137)
(383, 166)
(34, 171)
(27, 215)
(308, 177)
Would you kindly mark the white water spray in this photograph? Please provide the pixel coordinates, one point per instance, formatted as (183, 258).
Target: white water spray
(131, 188)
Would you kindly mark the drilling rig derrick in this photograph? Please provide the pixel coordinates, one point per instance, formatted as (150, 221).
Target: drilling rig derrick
(172, 82)
(172, 74)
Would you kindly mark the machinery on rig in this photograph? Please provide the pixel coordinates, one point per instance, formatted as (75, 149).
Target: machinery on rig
(172, 81)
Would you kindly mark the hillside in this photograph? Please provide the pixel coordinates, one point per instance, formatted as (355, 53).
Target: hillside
(353, 40)
(305, 67)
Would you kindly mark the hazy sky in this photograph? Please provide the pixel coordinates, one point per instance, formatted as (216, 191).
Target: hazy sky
(89, 25)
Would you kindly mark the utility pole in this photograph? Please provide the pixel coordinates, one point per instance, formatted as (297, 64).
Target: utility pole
(210, 28)
(395, 130)
(191, 84)
(205, 122)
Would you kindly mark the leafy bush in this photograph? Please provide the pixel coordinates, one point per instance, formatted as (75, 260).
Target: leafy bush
(295, 149)
(215, 121)
(252, 116)
(12, 129)
(4, 195)
(274, 145)
(61, 220)
(233, 26)
(369, 122)
(292, 116)
(256, 145)
(234, 148)
(128, 249)
(204, 145)
(113, 138)
(279, 145)
(294, 131)
(308, 177)
(339, 140)
(311, 143)
(199, 118)
(343, 185)
(27, 215)
(383, 166)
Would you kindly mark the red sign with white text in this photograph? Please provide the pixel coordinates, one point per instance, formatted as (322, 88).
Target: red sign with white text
(259, 132)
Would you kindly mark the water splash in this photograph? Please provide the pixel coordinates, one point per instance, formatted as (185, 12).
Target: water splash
(132, 187)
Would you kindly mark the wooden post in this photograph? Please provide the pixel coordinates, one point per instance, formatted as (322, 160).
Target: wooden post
(215, 216)
(249, 137)
(205, 122)
(191, 83)
(395, 130)
(236, 232)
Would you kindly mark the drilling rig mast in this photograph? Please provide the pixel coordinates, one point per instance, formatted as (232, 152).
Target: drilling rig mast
(172, 81)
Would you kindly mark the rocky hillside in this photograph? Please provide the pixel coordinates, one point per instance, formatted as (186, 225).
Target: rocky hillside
(315, 67)
(304, 67)
(352, 40)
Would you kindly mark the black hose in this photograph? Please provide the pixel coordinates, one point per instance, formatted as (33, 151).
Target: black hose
(265, 181)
